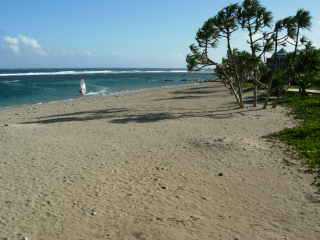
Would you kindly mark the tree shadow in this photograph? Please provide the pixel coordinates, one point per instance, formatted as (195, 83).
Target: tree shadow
(161, 116)
(203, 87)
(194, 93)
(181, 98)
(199, 91)
(250, 100)
(124, 115)
(79, 116)
(144, 118)
(98, 111)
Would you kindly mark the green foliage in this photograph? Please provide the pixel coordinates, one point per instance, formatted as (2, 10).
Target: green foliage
(279, 82)
(306, 67)
(255, 18)
(246, 65)
(253, 14)
(240, 67)
(303, 19)
(226, 22)
(208, 35)
(193, 58)
(226, 18)
(306, 137)
(284, 30)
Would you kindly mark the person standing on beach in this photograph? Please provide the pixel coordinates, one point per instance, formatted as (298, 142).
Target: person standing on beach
(83, 89)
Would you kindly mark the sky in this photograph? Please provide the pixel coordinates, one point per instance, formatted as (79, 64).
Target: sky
(116, 33)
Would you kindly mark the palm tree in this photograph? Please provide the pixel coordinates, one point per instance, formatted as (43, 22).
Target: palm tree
(302, 20)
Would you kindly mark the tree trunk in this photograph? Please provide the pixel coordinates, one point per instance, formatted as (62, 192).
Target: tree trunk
(297, 42)
(255, 96)
(238, 99)
(253, 54)
(275, 61)
(294, 78)
(240, 95)
(233, 90)
(268, 93)
(234, 65)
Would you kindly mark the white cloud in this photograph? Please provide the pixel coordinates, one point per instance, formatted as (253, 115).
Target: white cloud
(24, 43)
(12, 43)
(33, 44)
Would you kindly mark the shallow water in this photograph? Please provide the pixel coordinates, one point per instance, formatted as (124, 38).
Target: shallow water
(31, 86)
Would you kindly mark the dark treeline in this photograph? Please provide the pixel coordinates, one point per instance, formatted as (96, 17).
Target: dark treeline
(273, 74)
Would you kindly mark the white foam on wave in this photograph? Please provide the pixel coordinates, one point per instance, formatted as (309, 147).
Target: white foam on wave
(54, 73)
(134, 91)
(88, 72)
(102, 92)
(10, 81)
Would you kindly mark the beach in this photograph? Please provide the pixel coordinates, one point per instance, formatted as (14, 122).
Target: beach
(170, 163)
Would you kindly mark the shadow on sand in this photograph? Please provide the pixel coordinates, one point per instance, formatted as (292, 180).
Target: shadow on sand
(124, 115)
(80, 116)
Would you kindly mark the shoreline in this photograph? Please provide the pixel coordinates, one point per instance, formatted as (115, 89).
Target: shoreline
(113, 94)
(182, 163)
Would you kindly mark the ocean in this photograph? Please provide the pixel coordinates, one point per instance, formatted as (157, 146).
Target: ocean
(33, 86)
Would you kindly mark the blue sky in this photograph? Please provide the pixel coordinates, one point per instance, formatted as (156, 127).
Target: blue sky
(115, 33)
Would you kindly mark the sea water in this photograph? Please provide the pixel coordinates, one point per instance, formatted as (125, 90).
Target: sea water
(31, 86)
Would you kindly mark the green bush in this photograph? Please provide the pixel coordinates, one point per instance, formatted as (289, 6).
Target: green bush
(306, 137)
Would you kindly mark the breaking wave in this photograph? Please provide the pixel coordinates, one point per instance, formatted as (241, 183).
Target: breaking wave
(88, 72)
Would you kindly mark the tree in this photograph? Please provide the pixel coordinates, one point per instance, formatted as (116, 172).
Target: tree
(227, 23)
(302, 20)
(219, 27)
(284, 30)
(255, 18)
(207, 37)
(307, 67)
(246, 65)
(240, 66)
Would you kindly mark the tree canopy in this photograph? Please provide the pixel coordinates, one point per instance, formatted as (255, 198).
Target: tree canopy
(264, 37)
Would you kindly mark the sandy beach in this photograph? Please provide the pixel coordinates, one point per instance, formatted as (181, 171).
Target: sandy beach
(182, 163)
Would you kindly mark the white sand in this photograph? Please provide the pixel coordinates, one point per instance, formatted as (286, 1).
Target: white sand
(146, 166)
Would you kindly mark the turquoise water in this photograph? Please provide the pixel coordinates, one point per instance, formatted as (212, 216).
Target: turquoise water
(43, 85)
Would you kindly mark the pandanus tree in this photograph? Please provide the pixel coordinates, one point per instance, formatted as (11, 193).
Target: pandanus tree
(284, 30)
(302, 20)
(255, 19)
(307, 67)
(207, 38)
(215, 29)
(227, 22)
(241, 66)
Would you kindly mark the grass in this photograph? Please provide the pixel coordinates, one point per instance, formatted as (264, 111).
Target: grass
(248, 85)
(305, 138)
